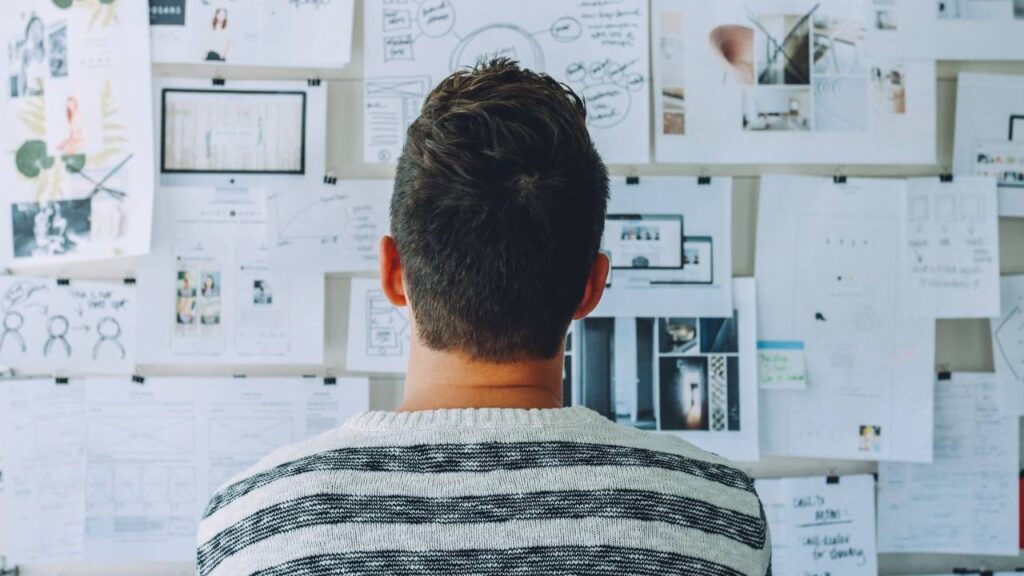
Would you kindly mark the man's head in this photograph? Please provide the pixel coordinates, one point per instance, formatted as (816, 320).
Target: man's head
(497, 216)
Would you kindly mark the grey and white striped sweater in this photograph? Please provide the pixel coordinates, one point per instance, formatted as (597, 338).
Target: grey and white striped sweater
(487, 492)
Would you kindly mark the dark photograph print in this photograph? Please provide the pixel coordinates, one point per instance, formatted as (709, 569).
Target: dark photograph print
(49, 228)
(677, 335)
(718, 335)
(683, 384)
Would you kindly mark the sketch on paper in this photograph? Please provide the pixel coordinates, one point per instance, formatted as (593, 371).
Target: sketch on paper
(601, 51)
(211, 292)
(1008, 346)
(694, 376)
(287, 33)
(329, 228)
(236, 131)
(736, 79)
(49, 326)
(80, 169)
(378, 332)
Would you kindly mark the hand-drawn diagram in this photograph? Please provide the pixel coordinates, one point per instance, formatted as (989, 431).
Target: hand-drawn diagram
(55, 326)
(333, 228)
(249, 436)
(378, 332)
(78, 162)
(1008, 346)
(601, 51)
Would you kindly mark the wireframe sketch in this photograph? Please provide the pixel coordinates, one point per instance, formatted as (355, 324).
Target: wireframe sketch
(55, 326)
(385, 327)
(78, 184)
(601, 51)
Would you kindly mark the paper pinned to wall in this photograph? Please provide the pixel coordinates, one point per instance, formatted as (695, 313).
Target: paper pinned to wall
(784, 82)
(134, 486)
(966, 500)
(76, 165)
(990, 134)
(1008, 346)
(669, 240)
(329, 228)
(280, 33)
(209, 294)
(829, 274)
(948, 29)
(693, 377)
(821, 527)
(378, 332)
(54, 327)
(952, 247)
(597, 48)
(781, 365)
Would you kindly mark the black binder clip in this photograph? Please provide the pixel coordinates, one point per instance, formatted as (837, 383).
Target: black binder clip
(129, 281)
(632, 180)
(945, 375)
(330, 179)
(703, 180)
(839, 179)
(138, 379)
(63, 282)
(313, 82)
(239, 376)
(60, 380)
(330, 381)
(218, 81)
(945, 178)
(832, 479)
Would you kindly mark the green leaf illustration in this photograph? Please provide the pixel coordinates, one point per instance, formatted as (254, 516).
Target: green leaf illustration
(62, 4)
(74, 162)
(31, 158)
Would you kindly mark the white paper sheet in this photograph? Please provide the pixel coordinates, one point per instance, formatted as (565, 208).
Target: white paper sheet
(693, 377)
(821, 528)
(254, 134)
(208, 293)
(284, 33)
(378, 333)
(329, 228)
(1008, 346)
(600, 49)
(967, 500)
(76, 162)
(990, 134)
(44, 470)
(652, 275)
(952, 247)
(784, 81)
(54, 328)
(142, 459)
(948, 29)
(829, 274)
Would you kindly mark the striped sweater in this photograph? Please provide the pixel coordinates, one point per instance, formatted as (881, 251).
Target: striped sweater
(494, 492)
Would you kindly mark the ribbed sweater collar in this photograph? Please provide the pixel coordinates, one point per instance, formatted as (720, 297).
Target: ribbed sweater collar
(474, 418)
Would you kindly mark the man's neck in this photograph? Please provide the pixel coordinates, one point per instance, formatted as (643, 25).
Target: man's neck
(452, 380)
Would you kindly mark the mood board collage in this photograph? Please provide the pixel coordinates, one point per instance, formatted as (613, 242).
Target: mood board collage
(220, 194)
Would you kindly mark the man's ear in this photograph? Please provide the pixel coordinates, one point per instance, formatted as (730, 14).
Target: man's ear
(391, 279)
(594, 289)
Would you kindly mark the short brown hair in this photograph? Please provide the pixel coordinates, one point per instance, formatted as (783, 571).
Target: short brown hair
(498, 212)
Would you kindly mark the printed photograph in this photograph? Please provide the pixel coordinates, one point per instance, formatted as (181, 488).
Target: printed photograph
(49, 228)
(58, 50)
(777, 109)
(888, 89)
(683, 385)
(719, 335)
(677, 335)
(219, 40)
(782, 43)
(185, 302)
(870, 438)
(261, 293)
(26, 56)
(627, 401)
(209, 298)
(673, 93)
(733, 45)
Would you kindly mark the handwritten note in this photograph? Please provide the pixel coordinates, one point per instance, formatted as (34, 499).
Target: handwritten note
(821, 528)
(952, 247)
(780, 365)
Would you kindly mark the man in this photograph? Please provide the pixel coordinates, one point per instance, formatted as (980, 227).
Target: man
(497, 219)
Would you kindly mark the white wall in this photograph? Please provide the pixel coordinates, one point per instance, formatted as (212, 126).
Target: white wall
(962, 345)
